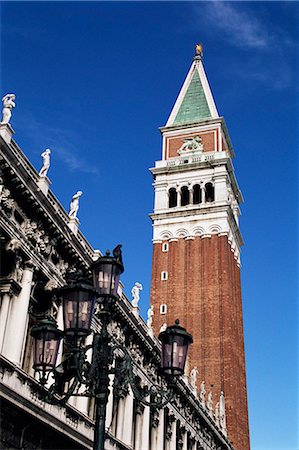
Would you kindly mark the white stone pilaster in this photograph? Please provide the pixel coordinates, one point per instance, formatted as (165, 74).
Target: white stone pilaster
(159, 432)
(4, 311)
(185, 440)
(138, 430)
(128, 419)
(18, 320)
(145, 429)
(220, 189)
(171, 443)
(161, 196)
(120, 418)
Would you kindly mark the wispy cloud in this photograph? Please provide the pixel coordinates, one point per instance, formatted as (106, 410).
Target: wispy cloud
(238, 26)
(241, 25)
(59, 140)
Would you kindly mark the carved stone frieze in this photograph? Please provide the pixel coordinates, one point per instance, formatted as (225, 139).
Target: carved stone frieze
(170, 419)
(62, 266)
(116, 332)
(6, 200)
(155, 418)
(136, 353)
(50, 285)
(16, 263)
(151, 371)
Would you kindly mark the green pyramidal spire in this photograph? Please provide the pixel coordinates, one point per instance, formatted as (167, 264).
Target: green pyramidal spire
(194, 106)
(195, 102)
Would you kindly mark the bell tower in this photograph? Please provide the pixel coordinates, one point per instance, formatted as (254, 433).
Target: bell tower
(196, 245)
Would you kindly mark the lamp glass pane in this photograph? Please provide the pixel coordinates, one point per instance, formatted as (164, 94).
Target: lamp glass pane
(174, 354)
(46, 350)
(78, 306)
(106, 277)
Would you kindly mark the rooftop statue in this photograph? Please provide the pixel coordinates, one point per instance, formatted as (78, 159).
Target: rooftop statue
(193, 377)
(135, 294)
(150, 313)
(46, 163)
(210, 402)
(8, 104)
(222, 411)
(74, 206)
(202, 394)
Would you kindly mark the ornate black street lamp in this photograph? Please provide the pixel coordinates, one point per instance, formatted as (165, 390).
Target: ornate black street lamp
(79, 300)
(46, 344)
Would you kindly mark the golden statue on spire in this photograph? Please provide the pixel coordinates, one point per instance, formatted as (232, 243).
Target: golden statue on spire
(198, 49)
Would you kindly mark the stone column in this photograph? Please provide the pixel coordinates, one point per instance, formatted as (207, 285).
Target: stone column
(8, 288)
(194, 444)
(120, 418)
(145, 429)
(178, 192)
(185, 438)
(190, 189)
(158, 432)
(138, 426)
(171, 441)
(5, 303)
(14, 339)
(128, 419)
(203, 193)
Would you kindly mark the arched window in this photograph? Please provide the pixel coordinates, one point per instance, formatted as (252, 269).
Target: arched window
(210, 195)
(196, 194)
(184, 196)
(173, 198)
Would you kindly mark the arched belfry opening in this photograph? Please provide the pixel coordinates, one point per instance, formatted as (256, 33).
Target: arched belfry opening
(173, 198)
(185, 196)
(209, 193)
(196, 194)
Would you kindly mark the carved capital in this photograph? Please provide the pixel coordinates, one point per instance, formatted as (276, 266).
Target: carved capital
(9, 286)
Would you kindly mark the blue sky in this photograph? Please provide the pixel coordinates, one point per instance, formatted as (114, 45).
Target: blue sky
(94, 81)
